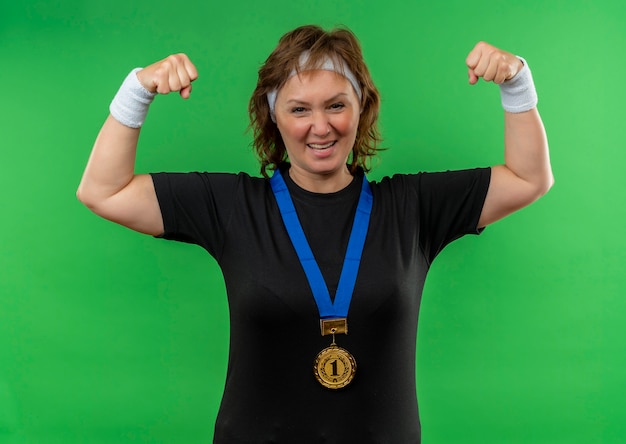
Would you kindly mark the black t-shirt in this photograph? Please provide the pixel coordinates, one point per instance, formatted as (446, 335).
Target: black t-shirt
(271, 395)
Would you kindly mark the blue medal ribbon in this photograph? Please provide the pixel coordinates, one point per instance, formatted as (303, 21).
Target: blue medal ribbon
(347, 280)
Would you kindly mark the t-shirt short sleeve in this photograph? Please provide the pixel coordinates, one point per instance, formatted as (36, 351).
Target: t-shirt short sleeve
(445, 205)
(454, 200)
(196, 206)
(442, 206)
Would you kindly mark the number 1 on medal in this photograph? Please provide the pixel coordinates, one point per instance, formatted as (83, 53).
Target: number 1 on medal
(334, 366)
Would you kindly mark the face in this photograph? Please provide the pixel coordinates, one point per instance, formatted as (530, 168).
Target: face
(317, 113)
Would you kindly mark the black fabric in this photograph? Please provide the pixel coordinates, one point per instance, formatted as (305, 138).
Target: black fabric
(271, 395)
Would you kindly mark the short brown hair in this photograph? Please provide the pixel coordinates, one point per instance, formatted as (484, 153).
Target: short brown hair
(283, 61)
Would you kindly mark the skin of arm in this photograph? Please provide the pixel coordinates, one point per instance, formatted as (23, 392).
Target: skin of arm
(526, 174)
(111, 189)
(109, 186)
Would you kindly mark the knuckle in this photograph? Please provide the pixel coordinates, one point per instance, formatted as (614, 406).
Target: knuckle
(179, 58)
(166, 65)
(161, 71)
(171, 61)
(485, 47)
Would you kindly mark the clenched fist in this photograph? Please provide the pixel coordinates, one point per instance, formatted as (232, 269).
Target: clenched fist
(492, 64)
(174, 73)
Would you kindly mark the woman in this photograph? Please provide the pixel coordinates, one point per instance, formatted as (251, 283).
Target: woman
(281, 242)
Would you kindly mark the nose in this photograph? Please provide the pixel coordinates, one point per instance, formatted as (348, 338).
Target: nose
(320, 124)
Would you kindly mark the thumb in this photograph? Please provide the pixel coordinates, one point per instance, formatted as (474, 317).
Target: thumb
(473, 78)
(147, 80)
(185, 93)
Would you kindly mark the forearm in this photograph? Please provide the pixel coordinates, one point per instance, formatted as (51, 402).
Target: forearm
(111, 164)
(109, 186)
(526, 150)
(526, 174)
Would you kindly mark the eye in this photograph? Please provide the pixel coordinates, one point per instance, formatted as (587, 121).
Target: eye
(337, 106)
(298, 110)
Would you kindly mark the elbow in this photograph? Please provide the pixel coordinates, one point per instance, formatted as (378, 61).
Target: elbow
(87, 199)
(535, 189)
(82, 196)
(543, 186)
(548, 182)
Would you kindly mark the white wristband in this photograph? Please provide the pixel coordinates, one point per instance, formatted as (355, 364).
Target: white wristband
(518, 94)
(130, 104)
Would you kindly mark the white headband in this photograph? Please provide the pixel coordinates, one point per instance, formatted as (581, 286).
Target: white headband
(329, 64)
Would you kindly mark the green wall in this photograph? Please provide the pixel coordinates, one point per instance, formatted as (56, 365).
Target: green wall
(108, 336)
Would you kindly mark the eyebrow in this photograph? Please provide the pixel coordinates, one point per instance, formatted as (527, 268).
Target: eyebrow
(303, 102)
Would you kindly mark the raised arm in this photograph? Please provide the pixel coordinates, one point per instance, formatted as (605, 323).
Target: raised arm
(109, 186)
(526, 174)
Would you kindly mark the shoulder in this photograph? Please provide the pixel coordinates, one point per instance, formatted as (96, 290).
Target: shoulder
(433, 180)
(207, 180)
(208, 190)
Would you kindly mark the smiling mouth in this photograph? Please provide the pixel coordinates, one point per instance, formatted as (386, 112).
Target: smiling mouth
(321, 146)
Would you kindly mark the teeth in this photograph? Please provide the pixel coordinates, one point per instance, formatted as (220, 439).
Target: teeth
(321, 147)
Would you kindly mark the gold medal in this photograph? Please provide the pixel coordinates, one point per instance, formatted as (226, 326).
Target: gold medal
(334, 367)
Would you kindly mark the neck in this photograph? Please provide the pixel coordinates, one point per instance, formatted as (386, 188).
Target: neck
(321, 183)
